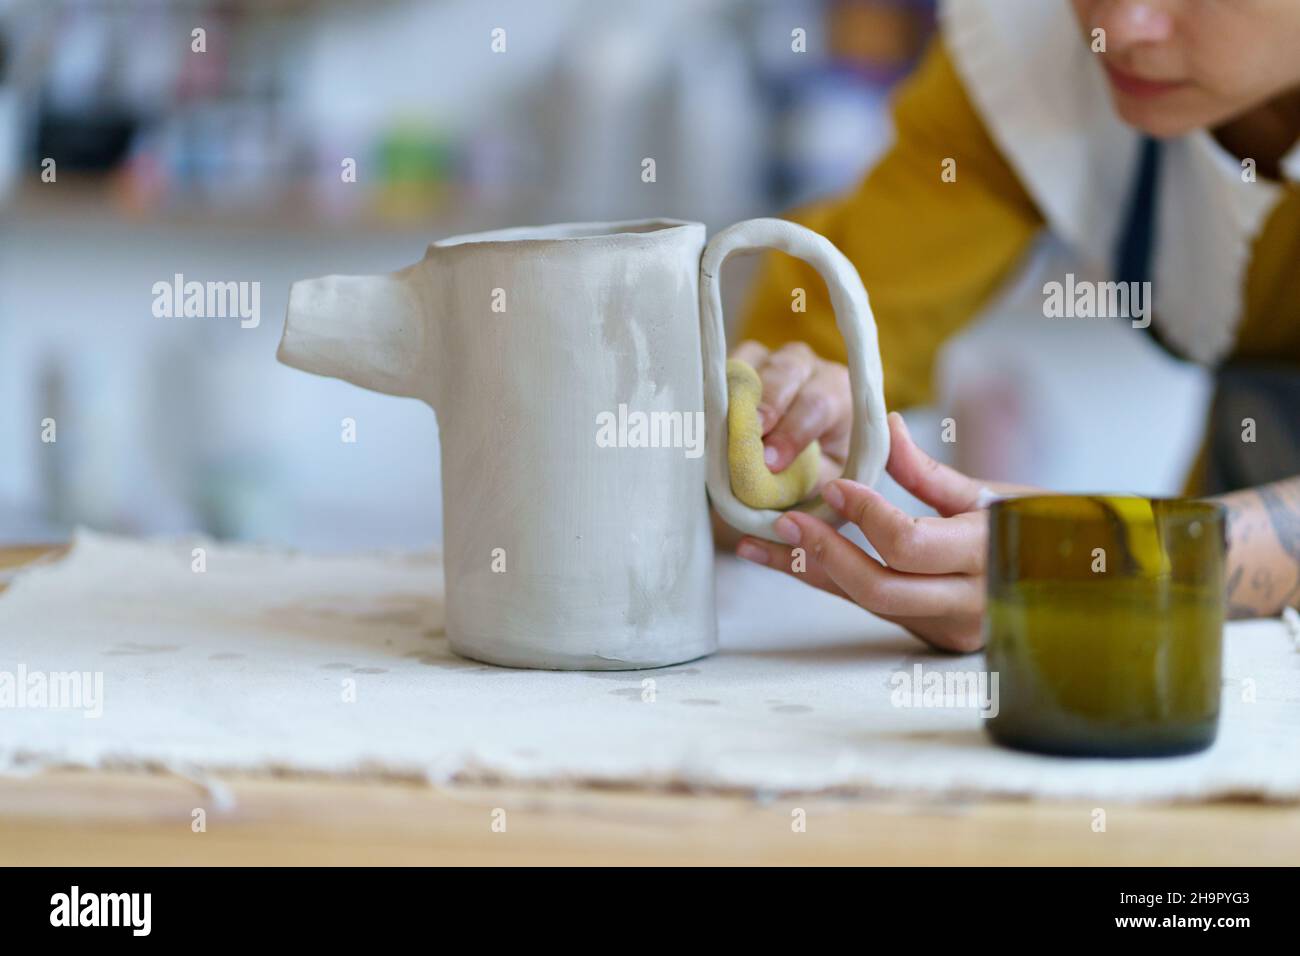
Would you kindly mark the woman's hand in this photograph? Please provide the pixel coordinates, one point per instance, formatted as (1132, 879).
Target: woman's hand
(932, 578)
(805, 398)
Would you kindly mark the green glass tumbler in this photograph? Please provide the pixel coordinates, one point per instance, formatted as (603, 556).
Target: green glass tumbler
(1104, 624)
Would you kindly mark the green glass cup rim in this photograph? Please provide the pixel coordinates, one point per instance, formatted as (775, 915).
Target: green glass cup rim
(1038, 506)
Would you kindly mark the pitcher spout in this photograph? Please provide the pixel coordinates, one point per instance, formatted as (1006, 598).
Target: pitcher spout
(367, 330)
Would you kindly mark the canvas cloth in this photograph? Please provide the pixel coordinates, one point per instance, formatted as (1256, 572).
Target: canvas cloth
(248, 665)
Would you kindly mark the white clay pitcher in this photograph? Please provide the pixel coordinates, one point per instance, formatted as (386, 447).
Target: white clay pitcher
(568, 543)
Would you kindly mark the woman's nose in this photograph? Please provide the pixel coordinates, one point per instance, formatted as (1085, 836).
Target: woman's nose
(1134, 22)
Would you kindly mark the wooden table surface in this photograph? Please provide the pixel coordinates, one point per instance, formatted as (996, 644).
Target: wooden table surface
(82, 817)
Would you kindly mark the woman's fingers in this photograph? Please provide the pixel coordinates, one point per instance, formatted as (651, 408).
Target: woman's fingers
(943, 611)
(784, 373)
(804, 399)
(958, 633)
(782, 558)
(931, 581)
(877, 588)
(823, 407)
(963, 634)
(944, 489)
(953, 545)
(750, 352)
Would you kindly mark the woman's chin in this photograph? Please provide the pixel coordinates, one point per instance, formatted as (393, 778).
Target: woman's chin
(1157, 121)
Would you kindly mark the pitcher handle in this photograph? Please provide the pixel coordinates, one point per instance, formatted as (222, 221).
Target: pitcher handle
(869, 437)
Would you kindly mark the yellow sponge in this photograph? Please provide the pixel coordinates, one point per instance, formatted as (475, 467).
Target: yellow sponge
(751, 481)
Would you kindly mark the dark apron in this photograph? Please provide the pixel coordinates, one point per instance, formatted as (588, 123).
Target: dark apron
(1265, 393)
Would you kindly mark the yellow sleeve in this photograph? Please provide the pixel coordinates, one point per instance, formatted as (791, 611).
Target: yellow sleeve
(931, 253)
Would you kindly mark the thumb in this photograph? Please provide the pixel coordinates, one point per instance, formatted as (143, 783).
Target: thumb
(944, 489)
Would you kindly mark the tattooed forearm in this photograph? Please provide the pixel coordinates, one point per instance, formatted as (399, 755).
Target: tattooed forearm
(1263, 549)
(1236, 609)
(1282, 504)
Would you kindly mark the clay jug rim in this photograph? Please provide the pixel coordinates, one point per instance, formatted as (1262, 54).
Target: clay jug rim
(632, 231)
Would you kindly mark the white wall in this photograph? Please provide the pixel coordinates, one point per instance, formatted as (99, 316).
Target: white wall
(159, 412)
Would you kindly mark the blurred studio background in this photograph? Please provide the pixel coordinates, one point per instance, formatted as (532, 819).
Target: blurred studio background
(230, 164)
